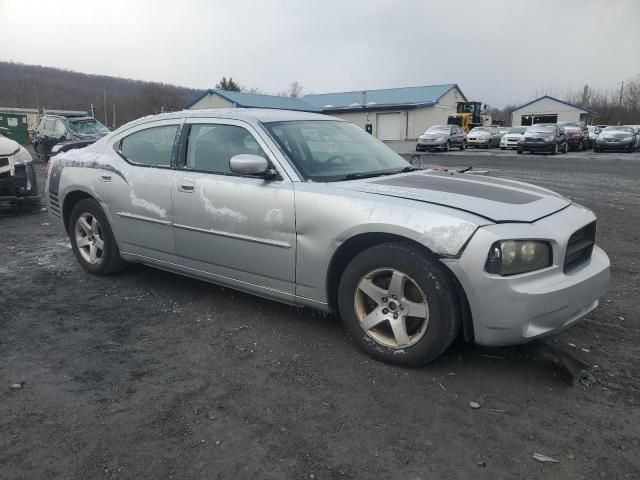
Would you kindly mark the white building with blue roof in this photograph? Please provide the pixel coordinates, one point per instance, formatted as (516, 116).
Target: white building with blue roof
(392, 113)
(389, 114)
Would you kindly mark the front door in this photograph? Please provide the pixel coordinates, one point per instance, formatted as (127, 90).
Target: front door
(238, 230)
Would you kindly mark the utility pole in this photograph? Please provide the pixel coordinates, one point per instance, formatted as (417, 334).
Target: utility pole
(113, 117)
(104, 97)
(620, 104)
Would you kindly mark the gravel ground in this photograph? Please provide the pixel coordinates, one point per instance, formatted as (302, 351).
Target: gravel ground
(146, 374)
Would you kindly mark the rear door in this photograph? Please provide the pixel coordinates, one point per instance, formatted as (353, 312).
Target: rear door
(136, 187)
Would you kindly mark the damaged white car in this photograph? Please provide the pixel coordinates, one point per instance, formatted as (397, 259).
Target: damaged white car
(311, 210)
(18, 183)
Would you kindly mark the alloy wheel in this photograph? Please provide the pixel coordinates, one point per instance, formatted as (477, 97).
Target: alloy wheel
(391, 308)
(89, 238)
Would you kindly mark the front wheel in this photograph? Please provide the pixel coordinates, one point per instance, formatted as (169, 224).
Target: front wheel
(447, 146)
(566, 148)
(92, 240)
(463, 145)
(399, 304)
(554, 149)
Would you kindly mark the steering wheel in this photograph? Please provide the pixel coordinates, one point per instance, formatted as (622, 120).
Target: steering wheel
(336, 159)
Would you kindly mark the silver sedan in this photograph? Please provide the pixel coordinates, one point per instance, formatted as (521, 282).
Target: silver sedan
(311, 210)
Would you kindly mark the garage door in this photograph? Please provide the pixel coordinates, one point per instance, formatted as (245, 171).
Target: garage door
(389, 126)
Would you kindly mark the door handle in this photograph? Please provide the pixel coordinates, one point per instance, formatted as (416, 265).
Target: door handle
(187, 187)
(105, 177)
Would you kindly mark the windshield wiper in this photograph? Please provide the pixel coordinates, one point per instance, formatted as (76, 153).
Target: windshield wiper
(357, 175)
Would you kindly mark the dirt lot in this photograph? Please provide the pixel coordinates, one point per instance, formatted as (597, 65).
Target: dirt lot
(146, 374)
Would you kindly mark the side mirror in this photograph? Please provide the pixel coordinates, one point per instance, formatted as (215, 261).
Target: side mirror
(249, 164)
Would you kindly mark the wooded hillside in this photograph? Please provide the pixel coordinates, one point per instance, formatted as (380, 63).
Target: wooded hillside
(33, 86)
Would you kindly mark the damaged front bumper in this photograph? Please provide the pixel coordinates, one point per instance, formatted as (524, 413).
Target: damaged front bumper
(519, 308)
(19, 189)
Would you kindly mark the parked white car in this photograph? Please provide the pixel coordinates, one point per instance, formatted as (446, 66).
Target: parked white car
(512, 137)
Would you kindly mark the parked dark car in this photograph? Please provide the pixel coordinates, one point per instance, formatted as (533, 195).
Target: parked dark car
(75, 132)
(544, 137)
(577, 135)
(442, 137)
(617, 138)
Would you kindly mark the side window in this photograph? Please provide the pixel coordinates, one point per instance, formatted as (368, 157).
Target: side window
(60, 128)
(151, 147)
(50, 124)
(211, 146)
(41, 124)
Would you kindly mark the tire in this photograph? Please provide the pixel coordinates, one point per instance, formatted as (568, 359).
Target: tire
(566, 148)
(106, 259)
(554, 149)
(418, 149)
(463, 146)
(519, 151)
(447, 147)
(595, 149)
(427, 288)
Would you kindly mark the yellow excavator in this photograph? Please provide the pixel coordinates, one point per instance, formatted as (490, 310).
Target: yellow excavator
(469, 115)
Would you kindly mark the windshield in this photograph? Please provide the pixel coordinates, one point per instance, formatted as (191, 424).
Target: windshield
(517, 130)
(438, 129)
(481, 129)
(541, 129)
(619, 130)
(326, 151)
(87, 126)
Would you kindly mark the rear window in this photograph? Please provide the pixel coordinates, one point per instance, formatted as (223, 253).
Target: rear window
(151, 147)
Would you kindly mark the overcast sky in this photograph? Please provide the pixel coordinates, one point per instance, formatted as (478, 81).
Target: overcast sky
(499, 52)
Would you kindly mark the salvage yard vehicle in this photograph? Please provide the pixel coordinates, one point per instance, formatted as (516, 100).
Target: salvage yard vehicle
(442, 137)
(485, 137)
(594, 130)
(577, 137)
(311, 210)
(544, 137)
(617, 138)
(55, 134)
(18, 183)
(512, 137)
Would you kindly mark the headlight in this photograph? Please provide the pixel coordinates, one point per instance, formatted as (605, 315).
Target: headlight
(627, 139)
(511, 257)
(549, 138)
(441, 139)
(22, 156)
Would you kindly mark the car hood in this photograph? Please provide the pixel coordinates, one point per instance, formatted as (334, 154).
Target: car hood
(616, 135)
(495, 199)
(89, 136)
(430, 136)
(479, 134)
(512, 135)
(8, 146)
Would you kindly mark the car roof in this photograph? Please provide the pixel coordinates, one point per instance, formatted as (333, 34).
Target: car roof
(251, 115)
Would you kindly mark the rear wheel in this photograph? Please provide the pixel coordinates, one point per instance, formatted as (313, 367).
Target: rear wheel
(92, 240)
(399, 304)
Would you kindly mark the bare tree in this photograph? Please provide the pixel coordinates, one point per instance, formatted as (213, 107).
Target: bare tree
(295, 90)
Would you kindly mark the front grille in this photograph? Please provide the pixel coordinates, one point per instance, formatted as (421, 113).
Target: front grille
(580, 246)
